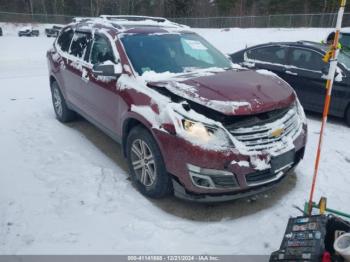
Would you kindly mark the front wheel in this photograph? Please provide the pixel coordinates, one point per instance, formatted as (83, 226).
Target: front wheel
(146, 164)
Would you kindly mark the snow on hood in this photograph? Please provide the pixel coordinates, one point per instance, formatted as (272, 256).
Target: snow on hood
(151, 76)
(233, 92)
(265, 72)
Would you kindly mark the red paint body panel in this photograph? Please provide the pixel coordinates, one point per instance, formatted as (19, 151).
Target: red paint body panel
(263, 93)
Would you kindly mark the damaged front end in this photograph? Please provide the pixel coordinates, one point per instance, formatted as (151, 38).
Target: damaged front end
(223, 157)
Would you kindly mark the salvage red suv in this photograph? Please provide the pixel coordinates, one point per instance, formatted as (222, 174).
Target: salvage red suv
(189, 121)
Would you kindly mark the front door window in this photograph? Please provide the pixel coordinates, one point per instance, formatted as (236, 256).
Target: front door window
(101, 51)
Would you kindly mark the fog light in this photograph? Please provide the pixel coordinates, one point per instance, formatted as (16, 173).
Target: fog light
(202, 181)
(211, 178)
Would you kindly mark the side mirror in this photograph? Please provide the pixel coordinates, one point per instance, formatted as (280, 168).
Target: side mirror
(107, 69)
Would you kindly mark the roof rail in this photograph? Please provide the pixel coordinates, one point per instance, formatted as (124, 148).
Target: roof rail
(127, 21)
(134, 18)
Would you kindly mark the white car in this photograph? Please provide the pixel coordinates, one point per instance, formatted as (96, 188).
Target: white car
(28, 31)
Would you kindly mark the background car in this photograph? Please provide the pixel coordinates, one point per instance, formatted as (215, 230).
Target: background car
(53, 31)
(301, 65)
(344, 39)
(28, 31)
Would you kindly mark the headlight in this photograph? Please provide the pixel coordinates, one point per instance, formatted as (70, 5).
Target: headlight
(203, 134)
(198, 129)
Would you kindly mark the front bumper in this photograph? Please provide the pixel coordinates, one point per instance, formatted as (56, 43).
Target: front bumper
(179, 154)
(181, 193)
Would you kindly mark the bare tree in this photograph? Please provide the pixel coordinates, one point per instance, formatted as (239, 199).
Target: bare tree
(170, 8)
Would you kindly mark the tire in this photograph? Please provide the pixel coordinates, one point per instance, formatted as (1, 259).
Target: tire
(347, 116)
(63, 113)
(151, 178)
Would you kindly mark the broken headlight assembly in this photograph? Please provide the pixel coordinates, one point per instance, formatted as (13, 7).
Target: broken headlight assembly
(202, 133)
(198, 129)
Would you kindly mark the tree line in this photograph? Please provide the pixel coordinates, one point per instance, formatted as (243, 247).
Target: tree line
(170, 8)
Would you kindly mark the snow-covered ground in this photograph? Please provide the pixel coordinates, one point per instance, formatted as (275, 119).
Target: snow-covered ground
(64, 189)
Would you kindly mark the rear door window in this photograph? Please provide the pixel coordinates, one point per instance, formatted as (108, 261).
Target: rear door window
(80, 46)
(101, 50)
(306, 59)
(65, 39)
(271, 54)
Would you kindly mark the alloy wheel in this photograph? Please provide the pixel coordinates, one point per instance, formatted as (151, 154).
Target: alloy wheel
(143, 163)
(57, 102)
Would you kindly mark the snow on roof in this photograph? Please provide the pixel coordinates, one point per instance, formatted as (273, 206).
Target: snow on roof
(133, 18)
(136, 21)
(131, 24)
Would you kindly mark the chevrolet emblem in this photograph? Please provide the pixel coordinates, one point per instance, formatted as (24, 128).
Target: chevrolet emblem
(278, 132)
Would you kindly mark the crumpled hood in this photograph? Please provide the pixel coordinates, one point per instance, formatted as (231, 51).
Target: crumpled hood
(234, 92)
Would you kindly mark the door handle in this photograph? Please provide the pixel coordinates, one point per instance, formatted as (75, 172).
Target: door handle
(291, 73)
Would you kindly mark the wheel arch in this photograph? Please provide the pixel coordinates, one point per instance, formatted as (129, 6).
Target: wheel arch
(132, 120)
(138, 121)
(130, 123)
(52, 80)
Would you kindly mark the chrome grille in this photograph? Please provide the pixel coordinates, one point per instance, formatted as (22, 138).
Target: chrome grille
(259, 137)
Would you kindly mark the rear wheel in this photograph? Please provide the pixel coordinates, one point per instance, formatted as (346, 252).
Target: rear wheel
(146, 164)
(63, 113)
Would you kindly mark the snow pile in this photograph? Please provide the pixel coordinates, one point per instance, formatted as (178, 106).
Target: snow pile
(260, 164)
